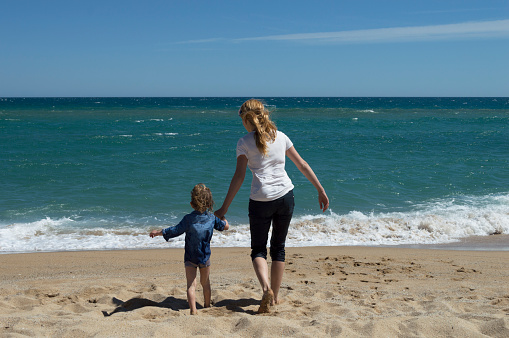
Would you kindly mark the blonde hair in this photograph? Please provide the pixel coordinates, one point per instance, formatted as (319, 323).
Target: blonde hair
(201, 198)
(254, 112)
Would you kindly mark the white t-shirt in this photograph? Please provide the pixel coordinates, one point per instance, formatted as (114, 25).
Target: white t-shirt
(270, 180)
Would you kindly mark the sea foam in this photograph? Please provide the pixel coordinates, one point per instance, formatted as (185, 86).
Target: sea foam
(437, 222)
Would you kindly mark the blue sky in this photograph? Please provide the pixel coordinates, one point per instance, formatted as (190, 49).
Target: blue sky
(254, 48)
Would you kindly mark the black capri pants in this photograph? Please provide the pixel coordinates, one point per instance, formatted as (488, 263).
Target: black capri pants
(261, 215)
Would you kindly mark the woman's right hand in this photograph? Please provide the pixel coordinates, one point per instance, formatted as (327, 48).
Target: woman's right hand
(235, 184)
(220, 213)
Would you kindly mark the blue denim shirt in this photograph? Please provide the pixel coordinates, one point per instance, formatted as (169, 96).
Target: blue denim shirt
(199, 228)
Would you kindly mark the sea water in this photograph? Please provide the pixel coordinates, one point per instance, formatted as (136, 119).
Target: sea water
(101, 173)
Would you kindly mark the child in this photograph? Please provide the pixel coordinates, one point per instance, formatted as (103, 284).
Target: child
(198, 226)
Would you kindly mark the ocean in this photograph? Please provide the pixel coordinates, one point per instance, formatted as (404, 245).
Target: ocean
(101, 173)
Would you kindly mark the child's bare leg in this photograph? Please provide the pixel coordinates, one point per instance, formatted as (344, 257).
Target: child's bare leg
(205, 283)
(191, 288)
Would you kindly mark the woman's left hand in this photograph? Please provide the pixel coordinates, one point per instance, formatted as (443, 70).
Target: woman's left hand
(323, 200)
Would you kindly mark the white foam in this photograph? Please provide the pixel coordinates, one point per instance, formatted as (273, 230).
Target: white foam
(441, 221)
(165, 134)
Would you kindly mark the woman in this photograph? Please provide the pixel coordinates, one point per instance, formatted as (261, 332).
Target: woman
(264, 150)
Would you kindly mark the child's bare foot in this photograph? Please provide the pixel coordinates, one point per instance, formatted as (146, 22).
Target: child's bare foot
(195, 312)
(267, 300)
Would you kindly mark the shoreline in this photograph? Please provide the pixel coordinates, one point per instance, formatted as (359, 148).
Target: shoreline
(473, 243)
(326, 291)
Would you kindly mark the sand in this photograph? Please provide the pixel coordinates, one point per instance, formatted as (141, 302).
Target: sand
(326, 291)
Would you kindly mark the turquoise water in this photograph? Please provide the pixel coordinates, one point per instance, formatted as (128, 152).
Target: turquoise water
(99, 173)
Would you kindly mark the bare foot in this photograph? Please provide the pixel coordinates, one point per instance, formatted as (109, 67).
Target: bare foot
(267, 300)
(194, 312)
(277, 302)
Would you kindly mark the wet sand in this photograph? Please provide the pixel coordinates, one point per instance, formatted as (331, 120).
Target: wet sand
(474, 243)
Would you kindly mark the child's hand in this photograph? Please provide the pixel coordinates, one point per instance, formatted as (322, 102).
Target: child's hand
(155, 233)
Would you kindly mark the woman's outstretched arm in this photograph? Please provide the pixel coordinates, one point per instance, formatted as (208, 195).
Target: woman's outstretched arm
(306, 170)
(235, 184)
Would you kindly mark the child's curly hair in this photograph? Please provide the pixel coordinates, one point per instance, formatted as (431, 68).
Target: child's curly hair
(201, 198)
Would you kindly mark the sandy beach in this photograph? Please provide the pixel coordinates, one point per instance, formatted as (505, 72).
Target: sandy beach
(326, 291)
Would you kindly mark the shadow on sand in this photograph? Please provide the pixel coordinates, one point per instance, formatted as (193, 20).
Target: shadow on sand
(176, 304)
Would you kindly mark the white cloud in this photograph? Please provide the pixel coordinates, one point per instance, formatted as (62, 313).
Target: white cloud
(205, 40)
(459, 31)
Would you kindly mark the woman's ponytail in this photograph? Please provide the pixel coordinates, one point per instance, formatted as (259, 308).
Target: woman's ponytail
(254, 112)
